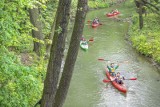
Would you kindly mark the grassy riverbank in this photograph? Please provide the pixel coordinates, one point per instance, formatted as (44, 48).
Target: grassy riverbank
(147, 40)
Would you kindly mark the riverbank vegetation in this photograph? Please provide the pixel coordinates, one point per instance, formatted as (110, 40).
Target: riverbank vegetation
(93, 4)
(26, 36)
(147, 40)
(145, 29)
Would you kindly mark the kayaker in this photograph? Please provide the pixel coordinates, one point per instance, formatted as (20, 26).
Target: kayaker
(95, 21)
(119, 78)
(82, 38)
(112, 68)
(84, 41)
(115, 11)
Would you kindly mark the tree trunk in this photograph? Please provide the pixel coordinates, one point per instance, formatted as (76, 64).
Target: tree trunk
(56, 54)
(140, 16)
(72, 54)
(139, 5)
(36, 34)
(50, 37)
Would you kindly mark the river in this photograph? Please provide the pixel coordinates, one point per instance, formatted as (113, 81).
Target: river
(87, 88)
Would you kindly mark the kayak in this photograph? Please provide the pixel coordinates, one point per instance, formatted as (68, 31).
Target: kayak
(116, 13)
(112, 14)
(120, 87)
(84, 45)
(95, 25)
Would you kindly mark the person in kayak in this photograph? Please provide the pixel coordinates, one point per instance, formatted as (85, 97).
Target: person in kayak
(112, 68)
(95, 21)
(84, 41)
(119, 78)
(82, 38)
(115, 11)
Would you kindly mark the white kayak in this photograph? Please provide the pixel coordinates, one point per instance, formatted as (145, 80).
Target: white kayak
(84, 45)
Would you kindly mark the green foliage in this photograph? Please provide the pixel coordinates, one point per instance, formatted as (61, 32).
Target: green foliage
(98, 4)
(20, 86)
(47, 17)
(147, 40)
(14, 22)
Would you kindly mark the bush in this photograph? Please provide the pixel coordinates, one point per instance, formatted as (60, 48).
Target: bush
(98, 4)
(20, 85)
(147, 40)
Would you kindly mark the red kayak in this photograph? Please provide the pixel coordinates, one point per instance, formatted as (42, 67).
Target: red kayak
(94, 25)
(116, 13)
(120, 87)
(112, 14)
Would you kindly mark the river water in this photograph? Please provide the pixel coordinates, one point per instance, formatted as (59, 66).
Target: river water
(87, 88)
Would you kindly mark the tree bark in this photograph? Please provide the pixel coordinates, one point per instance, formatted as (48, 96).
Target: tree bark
(36, 34)
(56, 54)
(139, 5)
(140, 16)
(72, 54)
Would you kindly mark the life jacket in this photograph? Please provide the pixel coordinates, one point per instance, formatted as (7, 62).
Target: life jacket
(120, 77)
(112, 69)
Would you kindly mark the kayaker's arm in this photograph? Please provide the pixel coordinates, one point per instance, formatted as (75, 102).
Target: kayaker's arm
(123, 77)
(113, 79)
(116, 67)
(109, 68)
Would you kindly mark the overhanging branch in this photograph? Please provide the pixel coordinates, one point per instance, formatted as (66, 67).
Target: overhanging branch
(151, 5)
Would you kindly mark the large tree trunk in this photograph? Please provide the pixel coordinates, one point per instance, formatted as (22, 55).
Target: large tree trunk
(139, 5)
(140, 16)
(72, 53)
(57, 53)
(36, 34)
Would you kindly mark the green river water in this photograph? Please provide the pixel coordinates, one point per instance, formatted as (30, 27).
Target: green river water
(87, 88)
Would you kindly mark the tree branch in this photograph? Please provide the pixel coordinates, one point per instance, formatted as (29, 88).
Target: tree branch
(152, 9)
(150, 4)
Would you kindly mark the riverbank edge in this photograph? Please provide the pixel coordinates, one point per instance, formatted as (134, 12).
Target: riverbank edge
(151, 60)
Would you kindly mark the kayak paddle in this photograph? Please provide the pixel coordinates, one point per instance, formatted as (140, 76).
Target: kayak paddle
(101, 59)
(105, 80)
(131, 79)
(91, 21)
(91, 39)
(122, 61)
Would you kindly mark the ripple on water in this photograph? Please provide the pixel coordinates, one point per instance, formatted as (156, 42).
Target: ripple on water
(109, 96)
(142, 95)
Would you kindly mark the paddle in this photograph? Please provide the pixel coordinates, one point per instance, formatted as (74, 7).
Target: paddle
(101, 59)
(105, 80)
(91, 39)
(123, 61)
(131, 79)
(91, 21)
